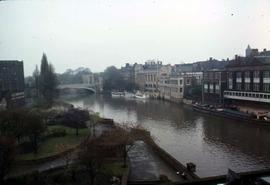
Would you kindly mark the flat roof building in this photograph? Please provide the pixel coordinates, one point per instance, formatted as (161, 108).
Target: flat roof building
(12, 82)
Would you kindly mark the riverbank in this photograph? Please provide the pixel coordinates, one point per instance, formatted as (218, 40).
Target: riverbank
(214, 144)
(173, 166)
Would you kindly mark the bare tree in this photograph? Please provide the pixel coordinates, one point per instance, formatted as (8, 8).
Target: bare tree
(94, 119)
(91, 156)
(121, 138)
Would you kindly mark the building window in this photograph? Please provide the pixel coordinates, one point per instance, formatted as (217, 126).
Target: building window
(217, 75)
(247, 86)
(211, 87)
(266, 87)
(238, 75)
(238, 86)
(230, 75)
(211, 75)
(256, 87)
(205, 88)
(230, 84)
(266, 74)
(181, 82)
(256, 74)
(174, 82)
(181, 90)
(188, 81)
(217, 89)
(205, 76)
(247, 74)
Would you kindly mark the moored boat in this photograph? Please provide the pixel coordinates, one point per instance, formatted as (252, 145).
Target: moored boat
(230, 114)
(141, 96)
(129, 95)
(117, 94)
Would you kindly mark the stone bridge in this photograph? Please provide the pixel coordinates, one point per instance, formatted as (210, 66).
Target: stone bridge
(89, 87)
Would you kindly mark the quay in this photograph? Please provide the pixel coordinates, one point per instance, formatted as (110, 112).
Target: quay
(245, 177)
(149, 162)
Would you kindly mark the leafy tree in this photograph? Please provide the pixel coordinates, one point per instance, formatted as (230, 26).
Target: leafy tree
(47, 80)
(36, 74)
(113, 79)
(76, 118)
(73, 76)
(34, 128)
(12, 123)
(7, 155)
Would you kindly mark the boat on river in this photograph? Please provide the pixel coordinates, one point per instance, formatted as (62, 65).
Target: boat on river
(141, 96)
(129, 95)
(117, 94)
(231, 114)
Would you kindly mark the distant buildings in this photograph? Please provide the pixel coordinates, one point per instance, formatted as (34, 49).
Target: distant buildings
(11, 83)
(128, 72)
(147, 77)
(214, 84)
(249, 77)
(217, 82)
(193, 85)
(245, 81)
(172, 88)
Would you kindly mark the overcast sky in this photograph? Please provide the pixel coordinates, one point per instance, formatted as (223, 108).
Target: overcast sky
(99, 33)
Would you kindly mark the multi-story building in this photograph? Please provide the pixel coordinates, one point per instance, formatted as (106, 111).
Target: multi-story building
(192, 85)
(128, 73)
(245, 81)
(172, 88)
(138, 78)
(214, 83)
(147, 77)
(249, 80)
(12, 83)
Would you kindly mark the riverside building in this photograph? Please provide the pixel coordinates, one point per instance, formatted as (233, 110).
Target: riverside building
(249, 81)
(213, 85)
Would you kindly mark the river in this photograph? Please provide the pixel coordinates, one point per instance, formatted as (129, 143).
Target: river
(213, 144)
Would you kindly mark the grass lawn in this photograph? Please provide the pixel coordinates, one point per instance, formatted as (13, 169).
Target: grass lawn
(49, 146)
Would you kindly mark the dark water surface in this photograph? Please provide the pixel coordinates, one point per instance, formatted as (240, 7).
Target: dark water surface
(213, 144)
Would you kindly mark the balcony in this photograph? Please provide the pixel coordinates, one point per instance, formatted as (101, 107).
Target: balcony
(248, 96)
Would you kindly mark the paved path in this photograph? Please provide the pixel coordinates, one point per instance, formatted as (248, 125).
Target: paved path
(147, 166)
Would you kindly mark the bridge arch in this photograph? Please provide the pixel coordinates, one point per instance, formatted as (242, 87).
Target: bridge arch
(77, 86)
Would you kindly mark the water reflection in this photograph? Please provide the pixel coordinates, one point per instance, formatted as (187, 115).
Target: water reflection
(214, 144)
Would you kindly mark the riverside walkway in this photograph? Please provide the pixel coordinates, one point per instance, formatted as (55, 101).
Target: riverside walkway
(147, 166)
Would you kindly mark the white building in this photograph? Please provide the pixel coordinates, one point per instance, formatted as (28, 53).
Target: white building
(172, 88)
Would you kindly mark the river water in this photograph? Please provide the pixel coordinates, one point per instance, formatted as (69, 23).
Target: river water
(213, 144)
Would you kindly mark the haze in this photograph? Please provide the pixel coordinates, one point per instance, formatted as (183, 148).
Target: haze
(100, 33)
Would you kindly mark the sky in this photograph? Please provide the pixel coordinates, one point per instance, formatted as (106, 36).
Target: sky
(100, 33)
